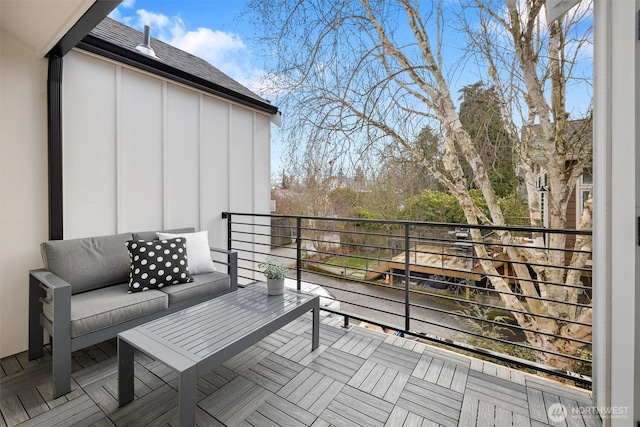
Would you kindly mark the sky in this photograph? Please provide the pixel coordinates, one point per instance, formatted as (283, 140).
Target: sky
(210, 29)
(216, 31)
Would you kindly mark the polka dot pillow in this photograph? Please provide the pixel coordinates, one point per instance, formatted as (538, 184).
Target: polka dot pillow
(157, 263)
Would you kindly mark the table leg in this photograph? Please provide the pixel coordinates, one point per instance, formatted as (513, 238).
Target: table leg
(187, 397)
(316, 325)
(125, 372)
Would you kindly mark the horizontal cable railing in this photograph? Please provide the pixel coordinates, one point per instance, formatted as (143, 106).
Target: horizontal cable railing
(502, 293)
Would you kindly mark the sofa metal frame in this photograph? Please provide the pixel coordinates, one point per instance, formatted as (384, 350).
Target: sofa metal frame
(42, 282)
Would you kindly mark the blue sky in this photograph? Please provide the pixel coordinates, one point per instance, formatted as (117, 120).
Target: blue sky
(215, 31)
(209, 29)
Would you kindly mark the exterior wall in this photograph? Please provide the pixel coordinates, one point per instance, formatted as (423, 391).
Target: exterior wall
(23, 184)
(142, 153)
(616, 207)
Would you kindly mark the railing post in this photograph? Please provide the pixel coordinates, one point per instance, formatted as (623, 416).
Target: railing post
(298, 253)
(407, 277)
(227, 216)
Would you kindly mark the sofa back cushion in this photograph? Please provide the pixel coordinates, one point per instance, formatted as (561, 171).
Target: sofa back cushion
(153, 235)
(89, 263)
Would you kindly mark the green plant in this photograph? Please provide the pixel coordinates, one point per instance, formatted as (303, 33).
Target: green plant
(273, 268)
(584, 366)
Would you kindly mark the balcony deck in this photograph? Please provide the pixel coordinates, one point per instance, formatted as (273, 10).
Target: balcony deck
(357, 377)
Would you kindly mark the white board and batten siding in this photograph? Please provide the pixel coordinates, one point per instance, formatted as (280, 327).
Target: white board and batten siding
(142, 152)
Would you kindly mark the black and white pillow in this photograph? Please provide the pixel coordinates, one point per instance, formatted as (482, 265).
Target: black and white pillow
(157, 263)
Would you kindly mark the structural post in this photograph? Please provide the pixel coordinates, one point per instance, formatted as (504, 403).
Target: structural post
(54, 145)
(299, 252)
(407, 277)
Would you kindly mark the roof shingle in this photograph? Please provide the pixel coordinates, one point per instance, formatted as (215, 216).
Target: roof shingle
(120, 35)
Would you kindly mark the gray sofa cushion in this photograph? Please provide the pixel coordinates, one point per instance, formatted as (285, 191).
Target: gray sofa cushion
(202, 284)
(88, 263)
(151, 235)
(95, 310)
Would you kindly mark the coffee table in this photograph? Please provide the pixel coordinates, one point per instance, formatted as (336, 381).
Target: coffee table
(196, 340)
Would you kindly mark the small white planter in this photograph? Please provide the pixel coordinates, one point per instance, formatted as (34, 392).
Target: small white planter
(275, 286)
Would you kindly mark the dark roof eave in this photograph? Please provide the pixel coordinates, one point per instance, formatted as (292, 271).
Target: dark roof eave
(83, 26)
(103, 48)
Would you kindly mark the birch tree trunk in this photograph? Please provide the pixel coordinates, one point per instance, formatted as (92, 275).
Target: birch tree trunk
(366, 73)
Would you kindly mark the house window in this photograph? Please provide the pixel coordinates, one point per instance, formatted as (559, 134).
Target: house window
(583, 192)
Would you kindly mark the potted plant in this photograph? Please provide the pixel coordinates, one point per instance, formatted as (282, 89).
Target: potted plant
(275, 271)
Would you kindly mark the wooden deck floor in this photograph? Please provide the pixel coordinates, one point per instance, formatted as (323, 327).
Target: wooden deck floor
(357, 377)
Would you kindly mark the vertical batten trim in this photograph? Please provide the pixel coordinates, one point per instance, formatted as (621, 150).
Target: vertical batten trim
(254, 138)
(163, 143)
(201, 181)
(118, 147)
(229, 156)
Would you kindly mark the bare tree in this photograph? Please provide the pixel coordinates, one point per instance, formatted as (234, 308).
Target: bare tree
(367, 73)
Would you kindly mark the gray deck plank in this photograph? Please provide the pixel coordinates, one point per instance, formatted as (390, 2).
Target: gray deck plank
(372, 379)
(33, 402)
(257, 419)
(384, 383)
(296, 382)
(422, 366)
(459, 380)
(428, 413)
(246, 359)
(356, 376)
(469, 411)
(486, 414)
(396, 358)
(361, 374)
(503, 417)
(496, 387)
(13, 411)
(396, 387)
(537, 410)
(273, 372)
(326, 398)
(432, 402)
(570, 392)
(285, 413)
(65, 414)
(315, 392)
(397, 418)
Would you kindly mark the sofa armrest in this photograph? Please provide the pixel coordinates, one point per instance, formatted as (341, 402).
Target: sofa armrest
(232, 265)
(42, 282)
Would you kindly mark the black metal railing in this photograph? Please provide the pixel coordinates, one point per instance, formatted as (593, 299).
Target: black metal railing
(497, 292)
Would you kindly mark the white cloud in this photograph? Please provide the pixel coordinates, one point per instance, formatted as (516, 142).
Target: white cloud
(154, 20)
(224, 50)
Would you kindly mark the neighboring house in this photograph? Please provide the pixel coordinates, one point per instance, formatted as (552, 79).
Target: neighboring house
(100, 137)
(582, 133)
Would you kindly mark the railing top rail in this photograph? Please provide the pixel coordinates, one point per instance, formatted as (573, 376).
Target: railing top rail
(528, 229)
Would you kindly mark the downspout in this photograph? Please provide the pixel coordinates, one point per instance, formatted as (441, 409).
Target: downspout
(96, 13)
(54, 144)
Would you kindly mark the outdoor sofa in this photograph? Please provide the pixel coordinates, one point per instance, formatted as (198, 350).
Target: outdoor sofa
(84, 294)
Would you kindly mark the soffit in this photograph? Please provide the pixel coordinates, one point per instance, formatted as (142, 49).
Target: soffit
(39, 25)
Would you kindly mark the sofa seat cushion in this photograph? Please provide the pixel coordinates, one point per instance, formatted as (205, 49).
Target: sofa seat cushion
(203, 284)
(101, 308)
